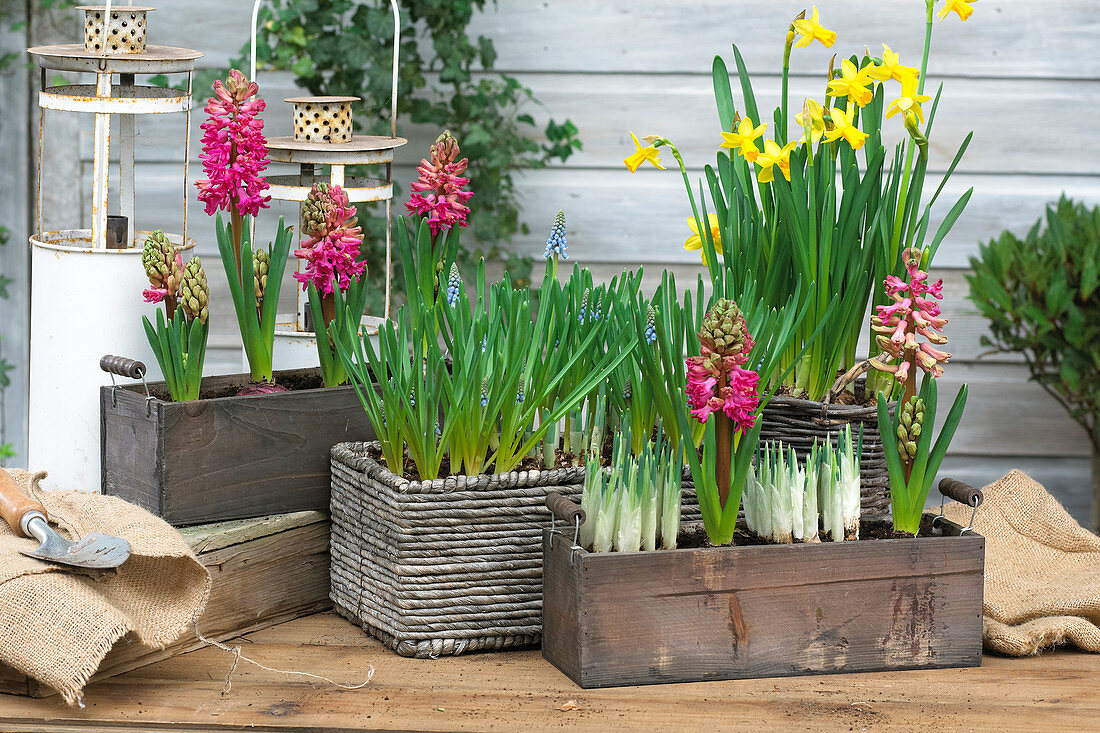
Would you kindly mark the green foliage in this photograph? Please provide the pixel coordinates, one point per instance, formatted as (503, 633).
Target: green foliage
(256, 320)
(445, 80)
(835, 242)
(911, 479)
(13, 19)
(1042, 300)
(179, 344)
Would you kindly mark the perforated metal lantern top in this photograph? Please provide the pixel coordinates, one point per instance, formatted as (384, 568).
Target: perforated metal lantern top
(322, 119)
(123, 32)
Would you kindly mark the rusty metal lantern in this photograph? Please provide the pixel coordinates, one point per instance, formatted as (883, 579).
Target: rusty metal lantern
(100, 267)
(323, 136)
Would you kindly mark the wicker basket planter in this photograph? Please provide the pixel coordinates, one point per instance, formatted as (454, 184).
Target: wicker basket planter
(443, 567)
(798, 423)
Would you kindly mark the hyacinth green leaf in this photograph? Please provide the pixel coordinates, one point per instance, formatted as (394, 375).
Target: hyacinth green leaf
(947, 433)
(887, 427)
(949, 221)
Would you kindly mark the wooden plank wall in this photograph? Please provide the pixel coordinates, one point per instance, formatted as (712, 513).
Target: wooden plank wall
(1015, 70)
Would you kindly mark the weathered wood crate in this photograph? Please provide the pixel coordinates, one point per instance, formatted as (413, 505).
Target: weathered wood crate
(687, 615)
(265, 571)
(227, 457)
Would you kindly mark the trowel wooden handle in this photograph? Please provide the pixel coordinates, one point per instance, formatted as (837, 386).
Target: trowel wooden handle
(14, 504)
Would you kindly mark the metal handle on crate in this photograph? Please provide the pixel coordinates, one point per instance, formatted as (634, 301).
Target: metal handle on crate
(122, 366)
(962, 493)
(565, 510)
(568, 512)
(125, 367)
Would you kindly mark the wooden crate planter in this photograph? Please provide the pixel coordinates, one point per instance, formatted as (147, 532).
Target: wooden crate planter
(265, 571)
(688, 615)
(227, 457)
(443, 567)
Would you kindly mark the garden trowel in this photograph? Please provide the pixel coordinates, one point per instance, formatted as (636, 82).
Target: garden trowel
(27, 518)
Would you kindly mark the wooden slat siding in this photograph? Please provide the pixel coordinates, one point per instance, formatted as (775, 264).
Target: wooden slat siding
(681, 36)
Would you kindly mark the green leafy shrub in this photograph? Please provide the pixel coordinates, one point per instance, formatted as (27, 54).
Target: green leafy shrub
(1041, 297)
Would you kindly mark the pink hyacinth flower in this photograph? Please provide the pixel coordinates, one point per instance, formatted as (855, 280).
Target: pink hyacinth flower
(234, 150)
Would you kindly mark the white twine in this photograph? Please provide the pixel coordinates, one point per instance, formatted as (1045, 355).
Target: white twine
(238, 656)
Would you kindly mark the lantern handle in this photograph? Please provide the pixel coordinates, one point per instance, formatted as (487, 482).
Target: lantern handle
(396, 55)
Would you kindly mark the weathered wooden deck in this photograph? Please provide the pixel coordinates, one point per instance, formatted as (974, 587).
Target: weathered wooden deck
(519, 691)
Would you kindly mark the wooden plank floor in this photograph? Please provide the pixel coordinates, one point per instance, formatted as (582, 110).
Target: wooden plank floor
(519, 691)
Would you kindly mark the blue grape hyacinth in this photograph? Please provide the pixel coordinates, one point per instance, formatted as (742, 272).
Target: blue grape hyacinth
(454, 282)
(650, 324)
(555, 244)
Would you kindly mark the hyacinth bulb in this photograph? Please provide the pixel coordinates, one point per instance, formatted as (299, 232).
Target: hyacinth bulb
(195, 292)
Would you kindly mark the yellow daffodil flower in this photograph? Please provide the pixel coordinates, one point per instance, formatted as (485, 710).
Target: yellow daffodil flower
(772, 156)
(909, 101)
(844, 127)
(892, 68)
(811, 30)
(962, 7)
(641, 155)
(853, 83)
(696, 242)
(812, 120)
(742, 139)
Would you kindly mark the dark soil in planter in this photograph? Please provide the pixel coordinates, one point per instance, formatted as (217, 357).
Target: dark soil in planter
(561, 460)
(694, 535)
(292, 381)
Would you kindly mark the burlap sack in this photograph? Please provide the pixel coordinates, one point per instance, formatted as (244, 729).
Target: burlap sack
(1042, 570)
(56, 626)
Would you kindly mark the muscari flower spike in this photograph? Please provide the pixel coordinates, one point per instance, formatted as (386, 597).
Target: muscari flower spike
(556, 244)
(650, 324)
(584, 305)
(453, 284)
(485, 392)
(628, 390)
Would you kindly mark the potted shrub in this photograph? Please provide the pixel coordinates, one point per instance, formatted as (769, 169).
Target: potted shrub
(196, 450)
(821, 208)
(802, 586)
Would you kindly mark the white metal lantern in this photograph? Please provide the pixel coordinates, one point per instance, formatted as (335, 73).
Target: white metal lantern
(102, 263)
(323, 137)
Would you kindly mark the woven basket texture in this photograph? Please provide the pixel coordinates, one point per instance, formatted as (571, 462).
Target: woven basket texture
(442, 567)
